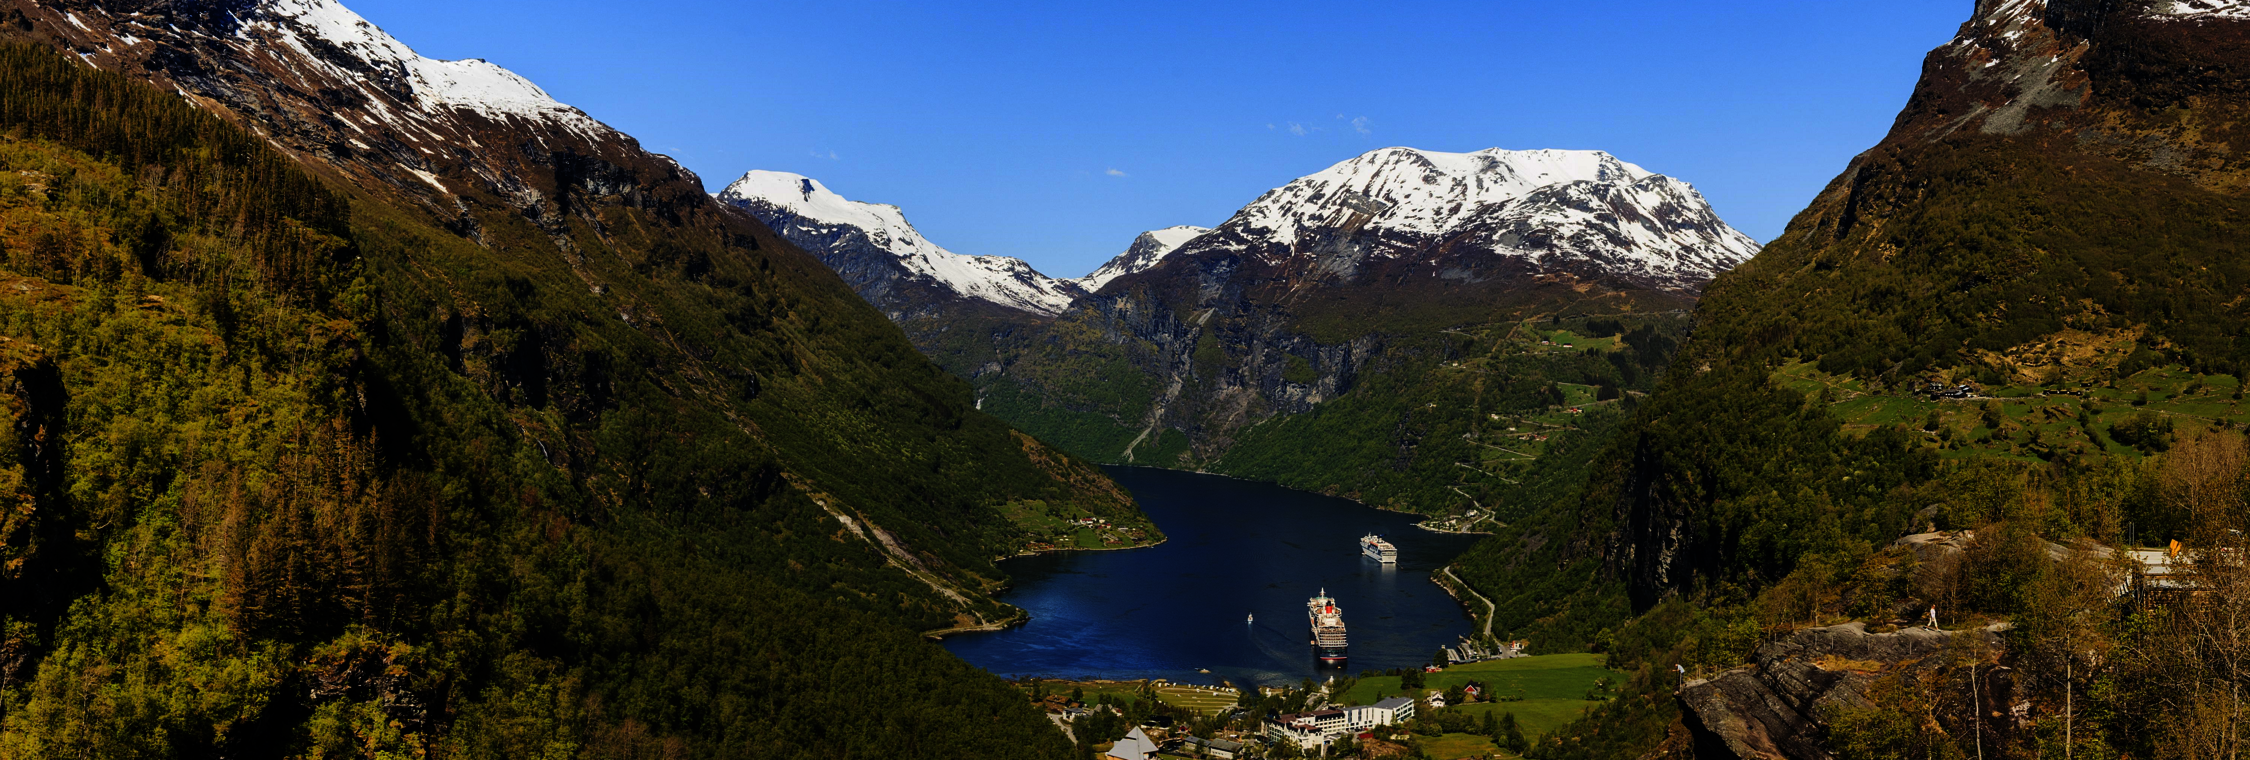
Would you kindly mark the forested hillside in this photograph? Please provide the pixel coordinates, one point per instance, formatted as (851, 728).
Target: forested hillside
(2005, 345)
(296, 471)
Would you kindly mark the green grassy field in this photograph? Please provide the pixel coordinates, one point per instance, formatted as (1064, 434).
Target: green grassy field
(1578, 395)
(1552, 687)
(1196, 698)
(1053, 523)
(1452, 746)
(2061, 419)
(1575, 341)
(1117, 691)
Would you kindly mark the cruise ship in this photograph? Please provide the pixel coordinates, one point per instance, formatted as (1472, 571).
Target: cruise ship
(1327, 628)
(1374, 546)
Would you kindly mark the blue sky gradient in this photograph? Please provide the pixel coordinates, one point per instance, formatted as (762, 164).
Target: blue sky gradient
(1055, 132)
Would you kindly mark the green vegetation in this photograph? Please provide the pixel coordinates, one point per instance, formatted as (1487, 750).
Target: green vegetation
(1544, 693)
(1196, 698)
(1450, 436)
(2091, 299)
(1453, 746)
(295, 472)
(1083, 433)
(2101, 267)
(2128, 416)
(1050, 526)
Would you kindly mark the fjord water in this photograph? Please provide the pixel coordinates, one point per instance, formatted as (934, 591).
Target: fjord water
(1235, 548)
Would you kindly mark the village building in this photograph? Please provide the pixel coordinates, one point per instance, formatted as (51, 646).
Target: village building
(1218, 748)
(1388, 712)
(1135, 746)
(1305, 738)
(1309, 730)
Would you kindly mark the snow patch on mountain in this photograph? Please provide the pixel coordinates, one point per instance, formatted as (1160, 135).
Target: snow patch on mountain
(2192, 9)
(472, 85)
(2004, 20)
(1146, 252)
(1657, 228)
(1542, 205)
(1417, 191)
(799, 207)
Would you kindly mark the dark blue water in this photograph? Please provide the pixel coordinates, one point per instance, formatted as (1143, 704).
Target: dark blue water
(1235, 548)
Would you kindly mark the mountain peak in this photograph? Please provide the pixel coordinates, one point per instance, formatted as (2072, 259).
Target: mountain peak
(874, 246)
(328, 85)
(1423, 191)
(1146, 252)
(1547, 207)
(314, 28)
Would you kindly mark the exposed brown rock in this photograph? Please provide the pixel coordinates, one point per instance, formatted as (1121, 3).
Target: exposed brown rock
(1773, 708)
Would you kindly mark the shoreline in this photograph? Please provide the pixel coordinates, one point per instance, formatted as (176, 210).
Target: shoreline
(1167, 539)
(1423, 524)
(1490, 610)
(1019, 619)
(1022, 617)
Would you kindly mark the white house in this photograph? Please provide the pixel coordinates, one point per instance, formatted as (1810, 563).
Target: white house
(1305, 737)
(1135, 746)
(1387, 712)
(1310, 730)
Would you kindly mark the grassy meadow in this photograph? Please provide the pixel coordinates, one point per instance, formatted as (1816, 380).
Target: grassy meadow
(1544, 692)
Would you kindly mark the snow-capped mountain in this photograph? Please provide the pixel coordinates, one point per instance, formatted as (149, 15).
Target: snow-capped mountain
(1545, 209)
(1287, 304)
(2227, 9)
(881, 254)
(1147, 251)
(328, 86)
(402, 86)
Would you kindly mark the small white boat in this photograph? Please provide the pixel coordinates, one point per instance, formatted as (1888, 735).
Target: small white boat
(1252, 618)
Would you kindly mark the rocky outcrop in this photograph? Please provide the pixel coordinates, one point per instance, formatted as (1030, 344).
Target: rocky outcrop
(1774, 708)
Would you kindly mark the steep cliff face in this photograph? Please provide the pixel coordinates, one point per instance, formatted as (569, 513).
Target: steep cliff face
(2063, 169)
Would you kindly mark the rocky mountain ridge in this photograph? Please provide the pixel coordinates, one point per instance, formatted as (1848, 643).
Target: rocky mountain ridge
(1461, 215)
(884, 258)
(1400, 211)
(1360, 267)
(452, 138)
(1147, 251)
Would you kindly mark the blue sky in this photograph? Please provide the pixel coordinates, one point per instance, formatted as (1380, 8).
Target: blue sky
(1055, 132)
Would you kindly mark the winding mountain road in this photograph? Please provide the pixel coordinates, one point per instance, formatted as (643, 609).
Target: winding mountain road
(1490, 609)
